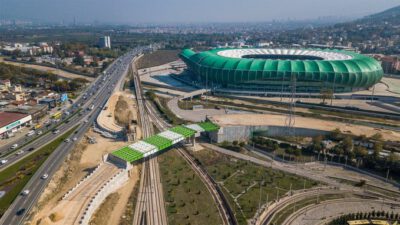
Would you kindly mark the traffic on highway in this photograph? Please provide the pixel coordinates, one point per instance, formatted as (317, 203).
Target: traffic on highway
(81, 114)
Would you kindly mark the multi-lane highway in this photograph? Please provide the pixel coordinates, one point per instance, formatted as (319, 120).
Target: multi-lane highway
(96, 96)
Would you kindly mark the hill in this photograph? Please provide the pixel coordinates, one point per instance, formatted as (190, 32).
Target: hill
(391, 16)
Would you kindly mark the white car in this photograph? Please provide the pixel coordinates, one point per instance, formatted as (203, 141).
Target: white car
(26, 192)
(20, 152)
(14, 146)
(3, 161)
(74, 139)
(45, 176)
(67, 140)
(56, 131)
(39, 132)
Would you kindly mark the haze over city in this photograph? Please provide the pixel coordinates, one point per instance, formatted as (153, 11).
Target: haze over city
(182, 11)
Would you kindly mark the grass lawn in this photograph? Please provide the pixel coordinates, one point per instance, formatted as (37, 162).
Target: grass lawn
(187, 198)
(241, 181)
(157, 58)
(14, 178)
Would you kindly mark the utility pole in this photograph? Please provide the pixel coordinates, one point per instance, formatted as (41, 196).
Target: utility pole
(387, 174)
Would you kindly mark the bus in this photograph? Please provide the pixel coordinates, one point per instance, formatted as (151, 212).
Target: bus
(56, 115)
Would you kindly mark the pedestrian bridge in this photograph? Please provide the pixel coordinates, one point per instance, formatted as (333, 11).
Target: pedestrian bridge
(159, 142)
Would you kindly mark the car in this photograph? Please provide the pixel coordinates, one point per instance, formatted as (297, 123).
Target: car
(14, 146)
(67, 140)
(26, 192)
(45, 176)
(3, 161)
(74, 139)
(20, 211)
(20, 152)
(85, 121)
(31, 149)
(56, 131)
(39, 132)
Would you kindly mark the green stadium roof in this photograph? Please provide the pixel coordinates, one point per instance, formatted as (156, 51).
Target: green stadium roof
(328, 67)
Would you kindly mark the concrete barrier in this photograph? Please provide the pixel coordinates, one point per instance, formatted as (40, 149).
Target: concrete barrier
(79, 183)
(113, 184)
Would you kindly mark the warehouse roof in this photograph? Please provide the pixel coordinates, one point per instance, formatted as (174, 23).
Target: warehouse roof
(8, 117)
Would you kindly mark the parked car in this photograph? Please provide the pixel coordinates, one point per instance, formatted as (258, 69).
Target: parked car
(14, 146)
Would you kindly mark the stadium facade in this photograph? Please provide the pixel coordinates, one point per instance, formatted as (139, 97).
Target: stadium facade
(277, 70)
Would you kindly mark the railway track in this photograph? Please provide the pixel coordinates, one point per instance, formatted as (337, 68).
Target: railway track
(226, 213)
(150, 208)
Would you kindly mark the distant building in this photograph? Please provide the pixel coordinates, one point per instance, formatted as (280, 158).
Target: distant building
(105, 42)
(12, 122)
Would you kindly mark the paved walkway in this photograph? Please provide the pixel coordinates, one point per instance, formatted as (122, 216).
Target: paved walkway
(326, 211)
(193, 115)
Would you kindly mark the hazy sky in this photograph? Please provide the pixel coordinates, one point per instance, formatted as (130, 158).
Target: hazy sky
(138, 11)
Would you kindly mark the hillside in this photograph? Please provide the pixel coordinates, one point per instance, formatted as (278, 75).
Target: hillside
(391, 16)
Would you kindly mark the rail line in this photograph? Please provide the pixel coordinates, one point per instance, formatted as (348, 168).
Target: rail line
(226, 213)
(150, 208)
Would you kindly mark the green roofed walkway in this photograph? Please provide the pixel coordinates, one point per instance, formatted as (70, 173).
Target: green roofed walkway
(149, 146)
(128, 154)
(158, 141)
(184, 131)
(208, 126)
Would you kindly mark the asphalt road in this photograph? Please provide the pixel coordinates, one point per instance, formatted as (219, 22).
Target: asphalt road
(21, 206)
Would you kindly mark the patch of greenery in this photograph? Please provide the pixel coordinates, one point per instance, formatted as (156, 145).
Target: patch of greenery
(244, 182)
(187, 198)
(14, 178)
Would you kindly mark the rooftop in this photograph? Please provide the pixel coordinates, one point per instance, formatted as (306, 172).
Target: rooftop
(8, 117)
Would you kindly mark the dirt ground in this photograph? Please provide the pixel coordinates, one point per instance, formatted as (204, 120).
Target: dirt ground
(78, 164)
(106, 117)
(113, 208)
(121, 111)
(58, 72)
(279, 120)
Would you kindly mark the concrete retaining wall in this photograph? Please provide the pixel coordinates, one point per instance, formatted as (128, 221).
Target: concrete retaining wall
(80, 182)
(243, 133)
(111, 186)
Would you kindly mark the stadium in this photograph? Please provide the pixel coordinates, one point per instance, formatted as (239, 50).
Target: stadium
(278, 70)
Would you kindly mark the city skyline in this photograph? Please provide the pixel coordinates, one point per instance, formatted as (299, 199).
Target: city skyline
(175, 11)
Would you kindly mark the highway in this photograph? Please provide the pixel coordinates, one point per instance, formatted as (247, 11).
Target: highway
(30, 144)
(21, 206)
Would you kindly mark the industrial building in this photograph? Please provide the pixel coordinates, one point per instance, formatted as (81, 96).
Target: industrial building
(11, 122)
(105, 42)
(279, 70)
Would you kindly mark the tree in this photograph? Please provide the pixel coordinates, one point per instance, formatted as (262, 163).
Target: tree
(336, 135)
(347, 144)
(79, 60)
(378, 147)
(360, 151)
(377, 137)
(326, 93)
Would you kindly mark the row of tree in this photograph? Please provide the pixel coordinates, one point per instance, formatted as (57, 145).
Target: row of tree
(342, 220)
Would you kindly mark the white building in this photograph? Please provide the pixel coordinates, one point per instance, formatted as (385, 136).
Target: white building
(105, 42)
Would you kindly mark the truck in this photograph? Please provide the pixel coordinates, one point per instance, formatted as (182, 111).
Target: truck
(91, 107)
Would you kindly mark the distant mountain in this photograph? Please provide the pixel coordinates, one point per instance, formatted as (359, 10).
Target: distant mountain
(391, 15)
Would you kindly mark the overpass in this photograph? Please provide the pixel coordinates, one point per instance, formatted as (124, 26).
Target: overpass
(159, 142)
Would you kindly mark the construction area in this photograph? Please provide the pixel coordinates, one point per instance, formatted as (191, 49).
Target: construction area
(234, 126)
